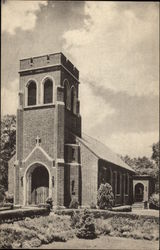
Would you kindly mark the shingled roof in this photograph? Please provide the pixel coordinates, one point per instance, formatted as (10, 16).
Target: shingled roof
(102, 151)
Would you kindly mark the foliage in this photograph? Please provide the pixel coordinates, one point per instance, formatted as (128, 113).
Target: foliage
(103, 227)
(155, 153)
(22, 213)
(8, 146)
(9, 198)
(154, 201)
(74, 203)
(2, 193)
(49, 201)
(105, 196)
(84, 224)
(93, 205)
(137, 229)
(31, 233)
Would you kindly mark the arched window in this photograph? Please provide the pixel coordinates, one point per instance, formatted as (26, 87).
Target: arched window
(48, 91)
(118, 183)
(73, 100)
(32, 92)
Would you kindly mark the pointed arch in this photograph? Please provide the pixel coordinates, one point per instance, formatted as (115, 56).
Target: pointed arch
(31, 93)
(48, 91)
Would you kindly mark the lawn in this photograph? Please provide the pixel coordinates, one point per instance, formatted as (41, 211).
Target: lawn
(104, 242)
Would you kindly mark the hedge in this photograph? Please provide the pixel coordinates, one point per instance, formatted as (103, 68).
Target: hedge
(20, 214)
(105, 214)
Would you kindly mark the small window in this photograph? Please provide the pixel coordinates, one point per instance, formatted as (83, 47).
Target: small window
(73, 182)
(48, 91)
(32, 92)
(73, 154)
(118, 183)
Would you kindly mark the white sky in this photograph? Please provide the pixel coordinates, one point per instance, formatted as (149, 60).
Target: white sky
(115, 46)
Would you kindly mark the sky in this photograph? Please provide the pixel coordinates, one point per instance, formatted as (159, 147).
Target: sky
(114, 45)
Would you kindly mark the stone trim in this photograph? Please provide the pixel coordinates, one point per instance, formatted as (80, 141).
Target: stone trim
(42, 150)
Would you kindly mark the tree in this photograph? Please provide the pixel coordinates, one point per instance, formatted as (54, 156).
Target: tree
(8, 146)
(155, 153)
(142, 165)
(105, 196)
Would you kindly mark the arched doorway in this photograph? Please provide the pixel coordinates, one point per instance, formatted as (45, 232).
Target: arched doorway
(139, 192)
(37, 184)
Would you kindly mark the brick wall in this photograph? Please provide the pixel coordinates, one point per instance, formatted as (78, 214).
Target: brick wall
(89, 170)
(39, 123)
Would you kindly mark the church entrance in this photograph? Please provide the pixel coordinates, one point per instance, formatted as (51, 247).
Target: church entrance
(139, 192)
(40, 185)
(37, 184)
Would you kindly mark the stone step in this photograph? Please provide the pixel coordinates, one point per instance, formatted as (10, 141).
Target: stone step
(138, 205)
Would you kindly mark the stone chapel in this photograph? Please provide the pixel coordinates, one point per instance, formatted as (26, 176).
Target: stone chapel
(53, 157)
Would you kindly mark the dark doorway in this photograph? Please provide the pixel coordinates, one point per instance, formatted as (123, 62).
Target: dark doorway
(139, 192)
(40, 185)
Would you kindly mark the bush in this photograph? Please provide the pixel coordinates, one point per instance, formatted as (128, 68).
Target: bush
(74, 203)
(84, 224)
(105, 196)
(50, 202)
(2, 193)
(9, 198)
(93, 205)
(154, 201)
(103, 227)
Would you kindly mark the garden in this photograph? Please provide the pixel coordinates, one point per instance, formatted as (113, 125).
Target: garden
(75, 223)
(81, 224)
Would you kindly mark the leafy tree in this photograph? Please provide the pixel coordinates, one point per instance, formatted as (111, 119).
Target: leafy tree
(142, 165)
(155, 153)
(105, 196)
(8, 146)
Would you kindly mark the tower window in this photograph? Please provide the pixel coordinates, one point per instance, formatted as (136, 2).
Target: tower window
(32, 93)
(73, 154)
(48, 91)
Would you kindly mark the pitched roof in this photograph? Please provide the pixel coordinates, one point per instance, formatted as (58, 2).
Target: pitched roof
(102, 151)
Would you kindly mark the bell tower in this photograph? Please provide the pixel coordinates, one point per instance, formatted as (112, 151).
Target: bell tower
(48, 119)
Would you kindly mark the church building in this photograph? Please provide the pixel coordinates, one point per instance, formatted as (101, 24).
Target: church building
(53, 157)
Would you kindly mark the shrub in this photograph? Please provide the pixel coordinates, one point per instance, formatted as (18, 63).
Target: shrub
(154, 201)
(2, 193)
(105, 196)
(85, 226)
(74, 203)
(103, 226)
(93, 205)
(9, 198)
(50, 202)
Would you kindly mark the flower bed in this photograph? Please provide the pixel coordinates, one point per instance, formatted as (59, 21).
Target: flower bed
(31, 233)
